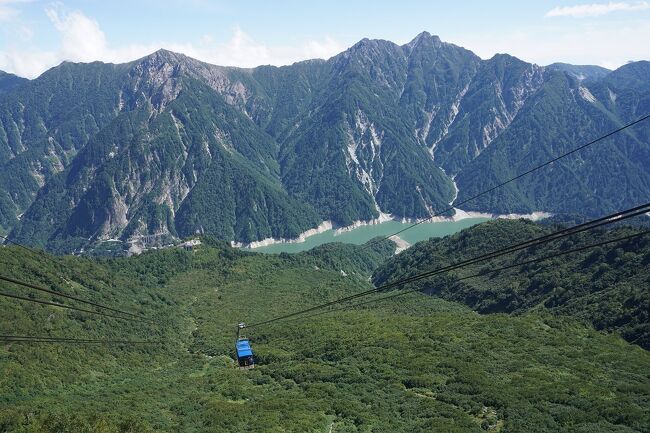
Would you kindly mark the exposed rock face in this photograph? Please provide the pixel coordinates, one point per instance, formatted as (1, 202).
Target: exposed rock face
(168, 146)
(492, 99)
(363, 157)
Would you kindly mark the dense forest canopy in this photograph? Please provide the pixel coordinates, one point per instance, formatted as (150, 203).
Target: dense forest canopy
(453, 359)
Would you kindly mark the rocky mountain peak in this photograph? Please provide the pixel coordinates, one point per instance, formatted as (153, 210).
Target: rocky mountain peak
(164, 56)
(424, 38)
(509, 62)
(366, 53)
(580, 72)
(368, 46)
(10, 81)
(157, 77)
(632, 72)
(172, 143)
(160, 65)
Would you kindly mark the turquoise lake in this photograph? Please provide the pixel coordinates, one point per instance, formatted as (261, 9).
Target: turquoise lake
(363, 234)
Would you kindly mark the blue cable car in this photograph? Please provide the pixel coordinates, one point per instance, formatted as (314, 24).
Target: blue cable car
(245, 357)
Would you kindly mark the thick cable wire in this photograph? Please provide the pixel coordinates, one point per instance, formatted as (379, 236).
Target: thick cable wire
(519, 176)
(43, 255)
(69, 307)
(46, 339)
(609, 219)
(63, 295)
(479, 274)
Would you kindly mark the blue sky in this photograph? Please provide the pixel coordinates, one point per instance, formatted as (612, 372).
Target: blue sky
(36, 35)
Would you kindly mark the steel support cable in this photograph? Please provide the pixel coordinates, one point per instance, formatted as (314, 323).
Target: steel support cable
(51, 260)
(47, 339)
(512, 179)
(547, 238)
(639, 210)
(480, 274)
(609, 219)
(551, 161)
(63, 295)
(39, 253)
(70, 307)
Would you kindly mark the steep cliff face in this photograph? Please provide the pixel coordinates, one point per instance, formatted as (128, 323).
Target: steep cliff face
(381, 106)
(563, 114)
(45, 122)
(167, 146)
(486, 107)
(169, 132)
(439, 76)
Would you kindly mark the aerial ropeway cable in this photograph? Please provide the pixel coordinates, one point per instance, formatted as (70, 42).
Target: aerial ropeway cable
(48, 339)
(74, 298)
(70, 307)
(609, 219)
(248, 357)
(480, 274)
(570, 231)
(44, 256)
(512, 179)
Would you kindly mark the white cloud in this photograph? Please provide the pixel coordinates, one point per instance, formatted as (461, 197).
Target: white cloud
(28, 64)
(608, 46)
(596, 9)
(81, 37)
(82, 40)
(240, 50)
(322, 49)
(13, 25)
(7, 11)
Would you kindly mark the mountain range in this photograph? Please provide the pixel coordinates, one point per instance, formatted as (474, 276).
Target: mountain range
(166, 146)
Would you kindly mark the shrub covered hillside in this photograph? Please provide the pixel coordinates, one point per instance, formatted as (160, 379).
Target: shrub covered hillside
(418, 365)
(606, 286)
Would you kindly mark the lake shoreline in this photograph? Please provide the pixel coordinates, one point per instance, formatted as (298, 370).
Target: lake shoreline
(459, 215)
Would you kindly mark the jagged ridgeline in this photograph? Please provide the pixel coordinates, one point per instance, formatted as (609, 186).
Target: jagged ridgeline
(167, 146)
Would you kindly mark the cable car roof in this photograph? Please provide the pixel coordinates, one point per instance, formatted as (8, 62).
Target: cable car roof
(243, 348)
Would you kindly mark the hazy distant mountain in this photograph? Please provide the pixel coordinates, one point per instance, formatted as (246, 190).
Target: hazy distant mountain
(167, 146)
(581, 72)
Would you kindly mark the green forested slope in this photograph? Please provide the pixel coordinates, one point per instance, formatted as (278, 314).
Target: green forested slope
(420, 364)
(499, 89)
(561, 116)
(9, 82)
(45, 122)
(605, 286)
(197, 166)
(355, 153)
